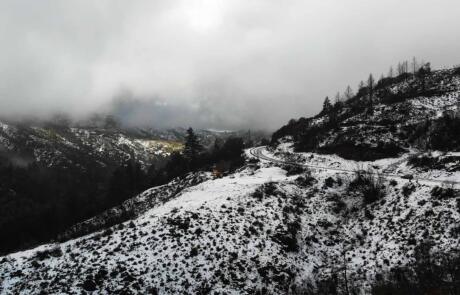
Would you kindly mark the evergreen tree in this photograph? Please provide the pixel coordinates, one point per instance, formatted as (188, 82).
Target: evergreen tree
(348, 93)
(423, 72)
(217, 145)
(327, 106)
(361, 88)
(151, 174)
(192, 148)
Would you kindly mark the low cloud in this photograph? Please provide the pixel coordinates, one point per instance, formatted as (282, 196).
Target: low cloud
(212, 63)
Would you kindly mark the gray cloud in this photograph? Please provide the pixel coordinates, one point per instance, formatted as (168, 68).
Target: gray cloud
(225, 64)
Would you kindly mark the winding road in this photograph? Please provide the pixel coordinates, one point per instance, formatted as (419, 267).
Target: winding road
(257, 152)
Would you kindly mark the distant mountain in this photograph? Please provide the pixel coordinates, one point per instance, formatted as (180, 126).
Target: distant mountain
(76, 146)
(55, 145)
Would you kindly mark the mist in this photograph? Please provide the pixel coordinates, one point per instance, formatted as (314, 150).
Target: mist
(209, 63)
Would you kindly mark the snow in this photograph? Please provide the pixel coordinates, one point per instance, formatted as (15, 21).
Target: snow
(155, 247)
(218, 191)
(391, 167)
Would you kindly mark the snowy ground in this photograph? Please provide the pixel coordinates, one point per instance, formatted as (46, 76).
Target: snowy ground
(388, 166)
(257, 228)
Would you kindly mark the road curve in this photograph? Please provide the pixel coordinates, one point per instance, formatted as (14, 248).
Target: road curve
(257, 152)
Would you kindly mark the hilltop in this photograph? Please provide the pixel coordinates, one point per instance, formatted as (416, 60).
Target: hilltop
(402, 113)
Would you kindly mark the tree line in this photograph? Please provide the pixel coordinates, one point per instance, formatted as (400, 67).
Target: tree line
(403, 71)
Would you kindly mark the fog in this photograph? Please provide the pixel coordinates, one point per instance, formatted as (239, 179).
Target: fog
(208, 63)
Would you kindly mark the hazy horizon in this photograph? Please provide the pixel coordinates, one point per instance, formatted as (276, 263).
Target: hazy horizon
(210, 63)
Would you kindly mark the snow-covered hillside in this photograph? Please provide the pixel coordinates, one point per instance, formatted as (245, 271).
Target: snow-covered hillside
(71, 146)
(404, 113)
(265, 228)
(66, 146)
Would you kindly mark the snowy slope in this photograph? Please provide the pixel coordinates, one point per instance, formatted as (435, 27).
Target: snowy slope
(257, 229)
(404, 114)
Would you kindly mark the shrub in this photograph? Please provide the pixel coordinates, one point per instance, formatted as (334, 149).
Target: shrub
(54, 251)
(422, 161)
(349, 150)
(89, 285)
(194, 252)
(337, 204)
(306, 179)
(294, 169)
(253, 161)
(369, 186)
(287, 241)
(270, 188)
(258, 194)
(443, 192)
(329, 182)
(179, 223)
(408, 189)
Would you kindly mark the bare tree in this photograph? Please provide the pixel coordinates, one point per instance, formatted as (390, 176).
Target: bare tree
(337, 98)
(370, 87)
(406, 66)
(390, 72)
(403, 68)
(414, 65)
(400, 69)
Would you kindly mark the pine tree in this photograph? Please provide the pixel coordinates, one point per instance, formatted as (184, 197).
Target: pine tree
(348, 93)
(424, 70)
(327, 106)
(192, 148)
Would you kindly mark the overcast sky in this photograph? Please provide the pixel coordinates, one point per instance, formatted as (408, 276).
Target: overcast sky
(210, 63)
